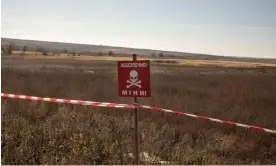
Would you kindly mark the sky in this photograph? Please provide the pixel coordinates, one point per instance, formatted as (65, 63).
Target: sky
(244, 28)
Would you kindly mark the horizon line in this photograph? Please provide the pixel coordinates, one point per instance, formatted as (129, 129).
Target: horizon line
(149, 49)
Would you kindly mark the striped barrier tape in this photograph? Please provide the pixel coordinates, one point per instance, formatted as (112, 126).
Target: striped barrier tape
(66, 101)
(115, 105)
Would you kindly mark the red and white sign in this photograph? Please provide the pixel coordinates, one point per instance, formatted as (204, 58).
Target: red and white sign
(134, 78)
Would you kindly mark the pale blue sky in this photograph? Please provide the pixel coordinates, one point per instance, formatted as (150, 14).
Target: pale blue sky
(222, 27)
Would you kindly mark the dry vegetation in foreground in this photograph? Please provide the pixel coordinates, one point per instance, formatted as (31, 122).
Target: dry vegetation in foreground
(49, 133)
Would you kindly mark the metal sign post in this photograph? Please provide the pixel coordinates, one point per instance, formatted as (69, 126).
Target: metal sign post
(136, 124)
(134, 81)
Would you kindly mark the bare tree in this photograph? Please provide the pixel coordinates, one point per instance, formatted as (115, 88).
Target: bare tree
(110, 53)
(3, 51)
(11, 48)
(100, 53)
(45, 52)
(25, 48)
(161, 54)
(42, 51)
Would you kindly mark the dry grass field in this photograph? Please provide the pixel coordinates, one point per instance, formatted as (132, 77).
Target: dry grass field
(167, 60)
(49, 133)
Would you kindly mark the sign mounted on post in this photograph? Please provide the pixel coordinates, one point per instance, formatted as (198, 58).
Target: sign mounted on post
(134, 78)
(134, 81)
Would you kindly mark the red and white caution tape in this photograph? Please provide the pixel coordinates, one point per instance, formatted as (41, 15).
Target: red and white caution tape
(211, 119)
(115, 105)
(66, 101)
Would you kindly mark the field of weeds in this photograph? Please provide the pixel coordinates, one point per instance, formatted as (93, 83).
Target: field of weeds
(36, 132)
(164, 60)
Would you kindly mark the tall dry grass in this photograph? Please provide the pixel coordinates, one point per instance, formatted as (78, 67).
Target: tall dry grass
(49, 133)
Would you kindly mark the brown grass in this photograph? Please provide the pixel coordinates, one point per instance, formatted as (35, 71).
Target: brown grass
(49, 133)
(172, 61)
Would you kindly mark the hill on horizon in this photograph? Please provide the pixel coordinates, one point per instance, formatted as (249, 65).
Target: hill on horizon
(92, 49)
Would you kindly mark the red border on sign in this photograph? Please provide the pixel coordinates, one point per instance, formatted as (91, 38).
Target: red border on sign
(134, 78)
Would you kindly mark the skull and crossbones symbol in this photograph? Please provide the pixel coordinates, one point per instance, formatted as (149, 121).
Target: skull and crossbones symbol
(133, 75)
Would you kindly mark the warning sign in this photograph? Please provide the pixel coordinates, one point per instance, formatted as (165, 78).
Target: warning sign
(134, 78)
